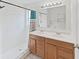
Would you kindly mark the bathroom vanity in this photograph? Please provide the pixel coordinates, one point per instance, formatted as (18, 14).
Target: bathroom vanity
(51, 48)
(56, 35)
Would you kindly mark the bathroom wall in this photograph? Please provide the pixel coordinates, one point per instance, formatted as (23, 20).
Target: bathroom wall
(78, 27)
(0, 37)
(78, 19)
(14, 28)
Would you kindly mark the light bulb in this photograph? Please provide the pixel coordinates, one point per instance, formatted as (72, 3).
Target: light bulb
(59, 2)
(50, 4)
(44, 5)
(54, 4)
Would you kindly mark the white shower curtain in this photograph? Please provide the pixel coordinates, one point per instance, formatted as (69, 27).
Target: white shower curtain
(14, 23)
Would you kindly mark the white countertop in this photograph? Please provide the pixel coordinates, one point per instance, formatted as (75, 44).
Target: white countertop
(61, 37)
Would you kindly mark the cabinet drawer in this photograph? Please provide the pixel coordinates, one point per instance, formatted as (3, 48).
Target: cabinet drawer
(60, 43)
(64, 53)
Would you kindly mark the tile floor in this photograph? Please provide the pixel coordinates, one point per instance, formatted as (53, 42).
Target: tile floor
(32, 56)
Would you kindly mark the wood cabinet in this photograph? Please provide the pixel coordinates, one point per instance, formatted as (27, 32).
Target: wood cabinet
(40, 47)
(50, 48)
(37, 45)
(64, 53)
(33, 45)
(50, 51)
(58, 49)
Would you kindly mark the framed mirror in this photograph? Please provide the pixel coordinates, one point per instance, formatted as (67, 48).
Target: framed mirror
(56, 19)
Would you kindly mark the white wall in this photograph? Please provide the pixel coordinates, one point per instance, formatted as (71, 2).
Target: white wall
(78, 26)
(0, 37)
(78, 20)
(14, 36)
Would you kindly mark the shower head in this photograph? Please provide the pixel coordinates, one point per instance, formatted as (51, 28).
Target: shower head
(2, 6)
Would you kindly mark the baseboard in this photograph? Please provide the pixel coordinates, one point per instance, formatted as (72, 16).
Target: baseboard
(22, 55)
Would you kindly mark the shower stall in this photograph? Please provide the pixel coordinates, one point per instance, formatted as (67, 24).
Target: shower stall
(14, 30)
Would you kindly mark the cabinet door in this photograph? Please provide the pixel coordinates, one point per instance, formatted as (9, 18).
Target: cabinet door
(33, 45)
(40, 48)
(64, 53)
(50, 51)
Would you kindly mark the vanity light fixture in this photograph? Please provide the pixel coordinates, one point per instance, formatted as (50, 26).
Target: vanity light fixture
(51, 4)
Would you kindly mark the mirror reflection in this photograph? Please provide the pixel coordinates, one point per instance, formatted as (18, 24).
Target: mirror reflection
(55, 18)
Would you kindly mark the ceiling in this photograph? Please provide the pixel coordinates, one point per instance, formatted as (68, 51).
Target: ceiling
(23, 1)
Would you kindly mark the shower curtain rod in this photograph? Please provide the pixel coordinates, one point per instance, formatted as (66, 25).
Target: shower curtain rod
(14, 5)
(18, 6)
